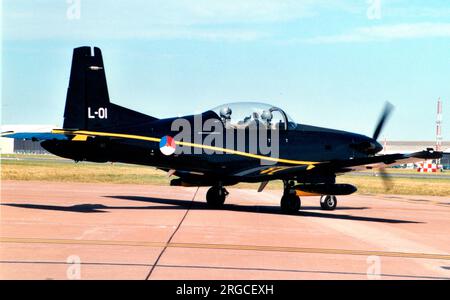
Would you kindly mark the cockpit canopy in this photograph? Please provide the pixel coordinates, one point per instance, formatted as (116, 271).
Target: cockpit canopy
(244, 114)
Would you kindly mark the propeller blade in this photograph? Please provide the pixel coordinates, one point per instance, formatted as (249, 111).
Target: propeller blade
(384, 116)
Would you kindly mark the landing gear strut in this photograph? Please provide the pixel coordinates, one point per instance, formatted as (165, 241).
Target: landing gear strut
(215, 197)
(290, 202)
(328, 202)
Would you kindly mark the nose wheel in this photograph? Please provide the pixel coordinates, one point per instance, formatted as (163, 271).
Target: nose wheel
(215, 197)
(328, 202)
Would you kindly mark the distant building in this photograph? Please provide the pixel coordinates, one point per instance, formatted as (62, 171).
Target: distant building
(415, 146)
(28, 147)
(11, 146)
(445, 161)
(6, 145)
(411, 146)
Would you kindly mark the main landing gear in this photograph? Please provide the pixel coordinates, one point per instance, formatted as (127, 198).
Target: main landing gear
(215, 197)
(290, 202)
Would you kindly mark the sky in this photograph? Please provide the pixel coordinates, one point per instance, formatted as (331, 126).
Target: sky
(330, 63)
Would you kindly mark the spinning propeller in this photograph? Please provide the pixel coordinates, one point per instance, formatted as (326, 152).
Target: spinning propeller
(388, 108)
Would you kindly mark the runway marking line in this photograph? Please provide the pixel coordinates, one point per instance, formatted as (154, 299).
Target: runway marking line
(229, 247)
(108, 264)
(425, 202)
(171, 236)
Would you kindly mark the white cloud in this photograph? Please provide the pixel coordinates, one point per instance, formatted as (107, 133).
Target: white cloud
(387, 33)
(163, 19)
(238, 11)
(415, 9)
(192, 34)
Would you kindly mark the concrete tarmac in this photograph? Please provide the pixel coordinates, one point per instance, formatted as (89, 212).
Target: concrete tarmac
(114, 231)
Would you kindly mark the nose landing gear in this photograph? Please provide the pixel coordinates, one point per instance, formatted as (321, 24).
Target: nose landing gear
(328, 202)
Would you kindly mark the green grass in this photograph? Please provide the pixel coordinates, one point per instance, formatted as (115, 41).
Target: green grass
(53, 170)
(31, 156)
(50, 168)
(431, 186)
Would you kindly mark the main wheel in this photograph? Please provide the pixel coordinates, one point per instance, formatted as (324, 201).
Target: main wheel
(290, 203)
(215, 197)
(328, 202)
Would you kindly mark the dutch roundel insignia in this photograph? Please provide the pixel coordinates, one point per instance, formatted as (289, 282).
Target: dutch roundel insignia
(167, 145)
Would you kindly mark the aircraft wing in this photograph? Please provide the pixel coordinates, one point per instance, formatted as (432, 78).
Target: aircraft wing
(264, 173)
(267, 173)
(375, 162)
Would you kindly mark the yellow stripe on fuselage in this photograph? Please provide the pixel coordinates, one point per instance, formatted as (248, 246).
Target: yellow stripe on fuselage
(107, 134)
(153, 139)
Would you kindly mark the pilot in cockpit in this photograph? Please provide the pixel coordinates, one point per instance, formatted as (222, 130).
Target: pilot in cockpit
(253, 119)
(267, 116)
(225, 115)
(246, 115)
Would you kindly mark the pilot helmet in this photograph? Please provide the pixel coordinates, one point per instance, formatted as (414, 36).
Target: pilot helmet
(267, 116)
(225, 112)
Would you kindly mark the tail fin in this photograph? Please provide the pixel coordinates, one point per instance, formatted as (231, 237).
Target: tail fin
(87, 103)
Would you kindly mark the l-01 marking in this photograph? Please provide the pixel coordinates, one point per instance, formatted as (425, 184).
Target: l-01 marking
(101, 113)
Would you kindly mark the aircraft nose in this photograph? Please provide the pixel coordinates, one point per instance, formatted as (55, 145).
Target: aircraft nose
(377, 146)
(367, 146)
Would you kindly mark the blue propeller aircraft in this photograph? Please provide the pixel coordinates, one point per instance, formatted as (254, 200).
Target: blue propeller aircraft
(219, 151)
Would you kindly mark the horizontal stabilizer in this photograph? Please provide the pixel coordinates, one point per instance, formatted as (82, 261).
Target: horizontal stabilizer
(35, 136)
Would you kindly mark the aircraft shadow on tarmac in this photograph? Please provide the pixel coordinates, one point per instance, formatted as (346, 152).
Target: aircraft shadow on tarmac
(305, 211)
